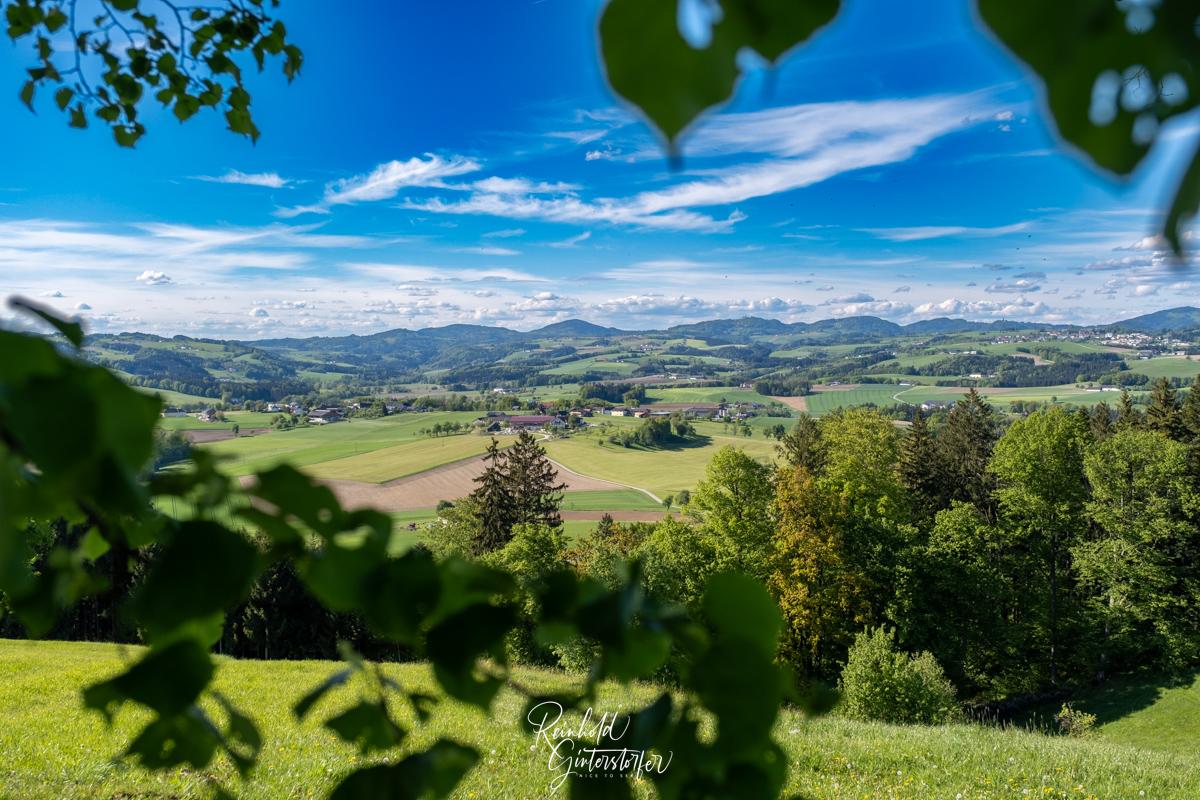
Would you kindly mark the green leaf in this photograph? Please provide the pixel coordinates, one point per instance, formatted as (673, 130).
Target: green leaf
(743, 687)
(455, 643)
(737, 605)
(1071, 44)
(202, 570)
(124, 5)
(367, 725)
(243, 741)
(168, 681)
(78, 118)
(63, 97)
(93, 545)
(400, 594)
(650, 64)
(312, 698)
(127, 135)
(431, 774)
(55, 19)
(1184, 205)
(171, 741)
(72, 330)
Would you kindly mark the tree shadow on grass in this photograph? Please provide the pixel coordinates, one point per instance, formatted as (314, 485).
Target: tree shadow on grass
(1119, 697)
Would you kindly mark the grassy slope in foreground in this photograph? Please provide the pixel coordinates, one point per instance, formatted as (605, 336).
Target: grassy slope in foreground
(53, 748)
(662, 471)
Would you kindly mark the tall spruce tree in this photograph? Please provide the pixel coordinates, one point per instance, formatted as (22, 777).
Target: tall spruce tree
(1162, 415)
(495, 503)
(802, 447)
(532, 485)
(964, 447)
(918, 468)
(1101, 422)
(1128, 416)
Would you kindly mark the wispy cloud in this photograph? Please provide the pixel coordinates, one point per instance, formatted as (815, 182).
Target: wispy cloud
(505, 233)
(573, 241)
(488, 251)
(268, 179)
(940, 231)
(386, 180)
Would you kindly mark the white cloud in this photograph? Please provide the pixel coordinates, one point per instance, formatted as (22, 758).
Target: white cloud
(514, 186)
(505, 234)
(488, 251)
(386, 180)
(1036, 275)
(900, 289)
(483, 293)
(259, 312)
(939, 231)
(1019, 307)
(1144, 290)
(826, 288)
(1016, 287)
(858, 297)
(871, 307)
(52, 294)
(609, 153)
(268, 179)
(151, 278)
(572, 241)
(82, 307)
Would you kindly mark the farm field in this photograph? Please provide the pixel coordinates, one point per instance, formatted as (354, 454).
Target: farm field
(704, 395)
(662, 471)
(1000, 397)
(592, 365)
(825, 402)
(244, 419)
(303, 447)
(170, 398)
(1165, 367)
(389, 463)
(53, 748)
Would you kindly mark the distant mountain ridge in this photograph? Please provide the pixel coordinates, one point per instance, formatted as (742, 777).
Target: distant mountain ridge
(733, 330)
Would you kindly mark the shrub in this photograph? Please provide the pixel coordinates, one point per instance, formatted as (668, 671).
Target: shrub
(1075, 723)
(889, 685)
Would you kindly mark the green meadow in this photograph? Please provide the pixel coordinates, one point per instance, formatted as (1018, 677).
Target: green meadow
(662, 471)
(52, 747)
(605, 364)
(1165, 367)
(878, 393)
(308, 446)
(713, 394)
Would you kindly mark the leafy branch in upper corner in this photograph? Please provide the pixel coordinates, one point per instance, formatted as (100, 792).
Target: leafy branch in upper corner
(185, 55)
(74, 441)
(1112, 72)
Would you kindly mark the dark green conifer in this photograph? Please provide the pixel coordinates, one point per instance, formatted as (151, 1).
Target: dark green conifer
(1101, 421)
(802, 447)
(1127, 415)
(918, 467)
(496, 507)
(532, 483)
(1162, 415)
(964, 447)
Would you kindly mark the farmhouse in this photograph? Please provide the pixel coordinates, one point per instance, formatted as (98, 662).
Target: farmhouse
(207, 415)
(174, 412)
(937, 405)
(323, 416)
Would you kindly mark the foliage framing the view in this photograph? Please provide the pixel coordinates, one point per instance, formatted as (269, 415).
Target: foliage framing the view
(188, 58)
(83, 463)
(1112, 72)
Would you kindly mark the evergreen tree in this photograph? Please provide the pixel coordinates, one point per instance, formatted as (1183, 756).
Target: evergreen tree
(1162, 415)
(532, 486)
(918, 467)
(607, 527)
(964, 447)
(1101, 422)
(494, 502)
(1127, 415)
(802, 447)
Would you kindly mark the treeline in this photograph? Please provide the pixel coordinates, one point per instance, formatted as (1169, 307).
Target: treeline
(783, 386)
(1013, 371)
(633, 394)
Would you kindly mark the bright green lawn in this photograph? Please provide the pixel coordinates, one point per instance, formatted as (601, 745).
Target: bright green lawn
(878, 393)
(662, 471)
(592, 365)
(244, 419)
(52, 748)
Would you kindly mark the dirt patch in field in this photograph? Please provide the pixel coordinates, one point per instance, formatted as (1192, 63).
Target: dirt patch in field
(1038, 361)
(205, 437)
(798, 403)
(425, 489)
(845, 387)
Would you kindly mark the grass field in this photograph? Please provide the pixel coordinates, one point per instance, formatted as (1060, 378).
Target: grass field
(1000, 398)
(615, 500)
(1166, 367)
(53, 748)
(244, 419)
(592, 365)
(705, 395)
(304, 447)
(379, 466)
(662, 471)
(879, 394)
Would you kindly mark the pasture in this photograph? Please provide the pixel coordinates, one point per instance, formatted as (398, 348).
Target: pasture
(309, 446)
(662, 471)
(243, 419)
(53, 748)
(1165, 367)
(824, 402)
(603, 364)
(389, 463)
(704, 394)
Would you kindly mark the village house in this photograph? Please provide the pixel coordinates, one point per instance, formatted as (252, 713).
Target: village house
(174, 412)
(534, 422)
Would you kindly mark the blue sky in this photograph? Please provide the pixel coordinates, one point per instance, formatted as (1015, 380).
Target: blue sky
(465, 162)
